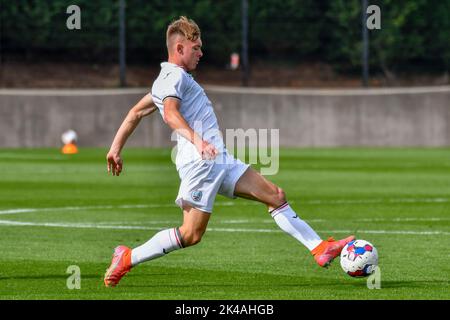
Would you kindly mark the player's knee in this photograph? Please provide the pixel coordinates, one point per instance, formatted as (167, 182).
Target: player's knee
(192, 240)
(192, 237)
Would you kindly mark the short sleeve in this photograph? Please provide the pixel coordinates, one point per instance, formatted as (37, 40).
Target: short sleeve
(173, 85)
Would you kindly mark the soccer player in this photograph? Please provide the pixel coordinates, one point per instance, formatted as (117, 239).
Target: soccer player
(204, 165)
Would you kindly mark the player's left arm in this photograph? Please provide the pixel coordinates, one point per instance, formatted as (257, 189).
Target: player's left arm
(142, 109)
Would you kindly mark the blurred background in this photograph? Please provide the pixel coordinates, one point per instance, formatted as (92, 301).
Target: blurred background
(290, 43)
(81, 65)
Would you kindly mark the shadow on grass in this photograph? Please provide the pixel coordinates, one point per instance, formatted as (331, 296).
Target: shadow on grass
(263, 281)
(412, 284)
(47, 276)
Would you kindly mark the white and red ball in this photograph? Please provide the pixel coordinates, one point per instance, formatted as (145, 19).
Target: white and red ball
(69, 136)
(359, 258)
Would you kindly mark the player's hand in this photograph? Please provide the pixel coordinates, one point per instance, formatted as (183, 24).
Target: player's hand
(207, 150)
(114, 163)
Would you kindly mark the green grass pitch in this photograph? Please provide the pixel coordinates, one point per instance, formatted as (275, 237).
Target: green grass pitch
(57, 211)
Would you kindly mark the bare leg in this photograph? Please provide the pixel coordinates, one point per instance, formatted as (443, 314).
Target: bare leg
(168, 240)
(252, 185)
(194, 225)
(162, 243)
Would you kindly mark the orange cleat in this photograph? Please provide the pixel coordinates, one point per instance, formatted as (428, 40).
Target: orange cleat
(120, 265)
(326, 251)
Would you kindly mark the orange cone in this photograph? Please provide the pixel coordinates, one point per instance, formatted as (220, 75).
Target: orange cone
(69, 148)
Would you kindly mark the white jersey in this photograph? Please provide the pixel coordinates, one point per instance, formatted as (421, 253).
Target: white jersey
(173, 81)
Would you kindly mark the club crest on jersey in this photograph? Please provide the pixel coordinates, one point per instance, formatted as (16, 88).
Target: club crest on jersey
(196, 195)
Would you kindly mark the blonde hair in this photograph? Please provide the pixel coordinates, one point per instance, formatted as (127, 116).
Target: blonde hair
(184, 27)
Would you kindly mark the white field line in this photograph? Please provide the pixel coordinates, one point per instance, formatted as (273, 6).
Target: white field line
(270, 221)
(119, 227)
(81, 208)
(403, 219)
(229, 204)
(235, 221)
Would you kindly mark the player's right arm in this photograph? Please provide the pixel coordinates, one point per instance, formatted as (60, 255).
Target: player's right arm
(176, 122)
(142, 109)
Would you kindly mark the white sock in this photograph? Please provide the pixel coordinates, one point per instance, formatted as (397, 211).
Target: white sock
(289, 222)
(159, 245)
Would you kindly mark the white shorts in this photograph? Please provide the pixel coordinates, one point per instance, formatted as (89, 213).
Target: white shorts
(202, 180)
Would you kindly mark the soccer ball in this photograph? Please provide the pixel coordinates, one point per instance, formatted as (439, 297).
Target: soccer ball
(359, 258)
(69, 136)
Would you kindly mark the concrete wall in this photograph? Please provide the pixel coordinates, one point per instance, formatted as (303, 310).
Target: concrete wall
(37, 118)
(375, 117)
